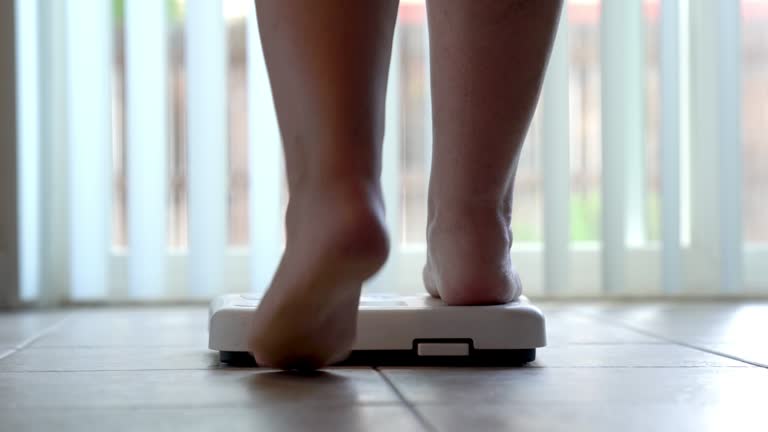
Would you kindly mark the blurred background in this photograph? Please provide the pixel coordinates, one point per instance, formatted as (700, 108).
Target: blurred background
(150, 166)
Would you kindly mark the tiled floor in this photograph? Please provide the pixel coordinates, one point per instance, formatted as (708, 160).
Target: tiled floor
(629, 367)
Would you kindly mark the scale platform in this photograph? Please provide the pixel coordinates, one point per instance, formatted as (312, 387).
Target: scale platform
(405, 331)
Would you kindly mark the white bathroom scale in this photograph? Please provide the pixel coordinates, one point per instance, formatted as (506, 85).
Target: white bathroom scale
(405, 331)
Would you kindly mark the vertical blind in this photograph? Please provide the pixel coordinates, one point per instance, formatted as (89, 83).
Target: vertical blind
(77, 103)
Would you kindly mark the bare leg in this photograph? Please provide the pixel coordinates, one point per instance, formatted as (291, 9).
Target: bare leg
(328, 64)
(488, 61)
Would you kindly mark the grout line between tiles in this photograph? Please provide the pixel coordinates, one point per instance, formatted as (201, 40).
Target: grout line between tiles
(26, 342)
(675, 341)
(118, 347)
(75, 371)
(229, 405)
(426, 424)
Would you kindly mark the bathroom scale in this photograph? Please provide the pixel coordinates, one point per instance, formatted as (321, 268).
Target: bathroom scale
(405, 331)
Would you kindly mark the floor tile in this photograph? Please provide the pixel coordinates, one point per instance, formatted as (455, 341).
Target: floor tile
(19, 327)
(176, 358)
(644, 355)
(608, 417)
(565, 328)
(565, 385)
(352, 418)
(693, 323)
(212, 388)
(132, 327)
(108, 358)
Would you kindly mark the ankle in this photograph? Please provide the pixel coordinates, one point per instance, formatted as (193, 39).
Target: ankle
(348, 216)
(484, 224)
(459, 208)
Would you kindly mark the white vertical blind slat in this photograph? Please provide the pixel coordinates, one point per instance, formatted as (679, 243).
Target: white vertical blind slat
(716, 171)
(730, 144)
(89, 44)
(622, 125)
(556, 163)
(705, 231)
(391, 147)
(428, 133)
(55, 269)
(206, 68)
(613, 147)
(633, 95)
(266, 164)
(670, 48)
(28, 96)
(386, 278)
(685, 60)
(146, 26)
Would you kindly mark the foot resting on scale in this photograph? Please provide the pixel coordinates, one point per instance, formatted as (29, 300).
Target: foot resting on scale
(335, 241)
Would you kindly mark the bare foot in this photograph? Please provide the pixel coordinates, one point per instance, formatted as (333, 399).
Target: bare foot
(335, 240)
(485, 84)
(468, 259)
